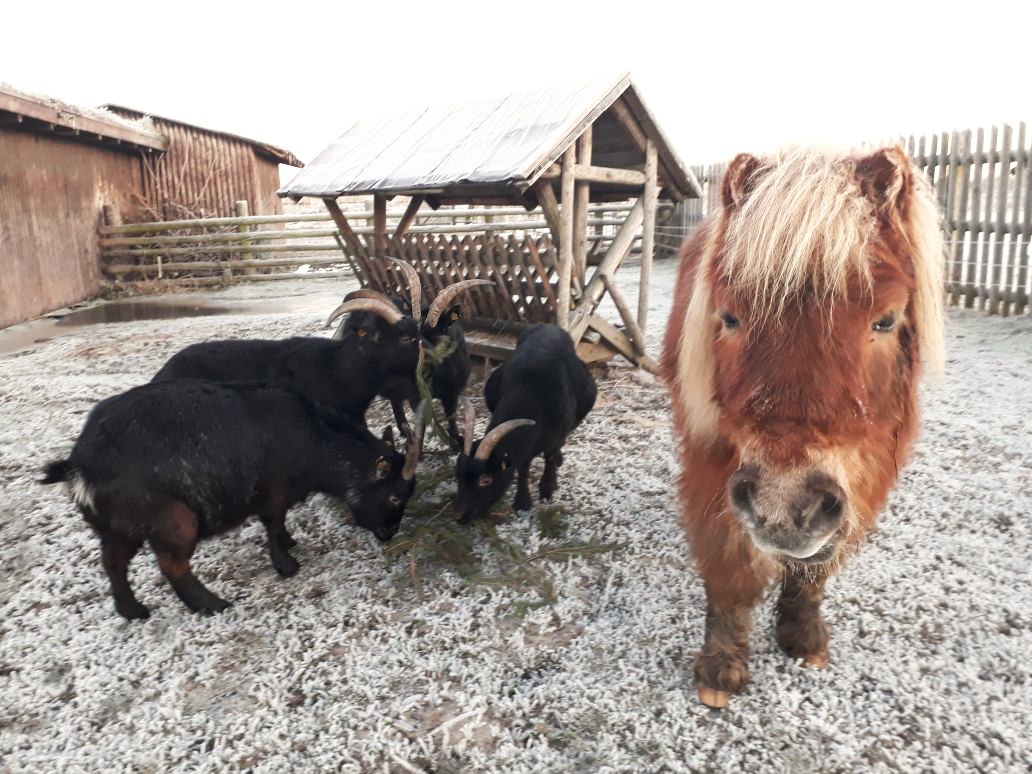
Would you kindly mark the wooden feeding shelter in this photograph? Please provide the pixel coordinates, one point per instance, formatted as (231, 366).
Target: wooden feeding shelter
(558, 149)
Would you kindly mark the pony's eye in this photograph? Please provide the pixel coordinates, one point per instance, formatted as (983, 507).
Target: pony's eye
(394, 500)
(884, 324)
(729, 320)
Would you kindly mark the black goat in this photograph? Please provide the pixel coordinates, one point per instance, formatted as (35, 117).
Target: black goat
(175, 462)
(343, 375)
(536, 399)
(441, 323)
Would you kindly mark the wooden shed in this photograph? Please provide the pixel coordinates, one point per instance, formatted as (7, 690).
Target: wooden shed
(559, 149)
(206, 171)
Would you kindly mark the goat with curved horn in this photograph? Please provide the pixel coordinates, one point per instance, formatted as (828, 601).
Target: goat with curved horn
(445, 297)
(496, 434)
(369, 293)
(414, 285)
(387, 311)
(415, 443)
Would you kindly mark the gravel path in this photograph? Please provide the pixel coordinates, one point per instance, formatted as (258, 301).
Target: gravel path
(425, 661)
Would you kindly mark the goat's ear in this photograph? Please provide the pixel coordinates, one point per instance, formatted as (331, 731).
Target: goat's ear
(885, 177)
(740, 179)
(388, 437)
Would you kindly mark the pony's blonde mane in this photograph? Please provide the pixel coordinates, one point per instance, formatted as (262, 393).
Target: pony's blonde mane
(806, 222)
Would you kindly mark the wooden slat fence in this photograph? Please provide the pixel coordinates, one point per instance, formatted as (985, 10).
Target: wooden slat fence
(983, 182)
(273, 247)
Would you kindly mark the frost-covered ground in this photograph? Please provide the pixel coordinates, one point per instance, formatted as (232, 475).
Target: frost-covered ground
(364, 662)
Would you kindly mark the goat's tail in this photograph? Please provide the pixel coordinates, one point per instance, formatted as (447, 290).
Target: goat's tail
(58, 470)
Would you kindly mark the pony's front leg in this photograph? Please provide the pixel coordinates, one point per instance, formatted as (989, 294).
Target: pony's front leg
(801, 631)
(722, 666)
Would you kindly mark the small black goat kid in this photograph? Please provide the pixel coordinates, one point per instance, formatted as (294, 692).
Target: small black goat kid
(172, 463)
(441, 323)
(343, 375)
(537, 398)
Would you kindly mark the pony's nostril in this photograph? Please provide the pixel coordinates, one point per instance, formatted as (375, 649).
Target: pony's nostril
(742, 493)
(831, 506)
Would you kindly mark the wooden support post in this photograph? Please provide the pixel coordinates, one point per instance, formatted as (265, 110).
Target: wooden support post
(379, 226)
(550, 207)
(348, 233)
(633, 331)
(241, 210)
(582, 198)
(648, 234)
(566, 238)
(618, 250)
(410, 216)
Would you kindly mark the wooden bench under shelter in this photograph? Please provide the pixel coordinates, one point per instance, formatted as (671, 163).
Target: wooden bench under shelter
(558, 149)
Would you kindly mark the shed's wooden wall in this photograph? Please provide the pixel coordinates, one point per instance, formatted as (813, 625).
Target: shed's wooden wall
(51, 193)
(205, 173)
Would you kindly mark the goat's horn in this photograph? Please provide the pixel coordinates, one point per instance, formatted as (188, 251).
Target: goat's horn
(387, 311)
(495, 435)
(415, 444)
(415, 288)
(369, 293)
(469, 419)
(444, 298)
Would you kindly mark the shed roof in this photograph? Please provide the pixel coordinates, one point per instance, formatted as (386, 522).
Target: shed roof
(44, 115)
(493, 147)
(272, 152)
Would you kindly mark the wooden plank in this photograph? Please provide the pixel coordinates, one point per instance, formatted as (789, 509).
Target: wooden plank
(379, 226)
(1022, 298)
(614, 336)
(589, 174)
(990, 192)
(648, 234)
(409, 216)
(566, 238)
(549, 207)
(252, 263)
(955, 212)
(976, 237)
(546, 283)
(996, 282)
(629, 123)
(1010, 270)
(618, 250)
(634, 332)
(581, 199)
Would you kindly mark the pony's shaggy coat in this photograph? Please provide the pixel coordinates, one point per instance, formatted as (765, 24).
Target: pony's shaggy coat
(810, 249)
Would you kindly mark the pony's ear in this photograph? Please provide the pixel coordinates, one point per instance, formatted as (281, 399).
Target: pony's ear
(740, 179)
(884, 176)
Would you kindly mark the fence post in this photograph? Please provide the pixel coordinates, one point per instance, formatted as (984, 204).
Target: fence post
(241, 210)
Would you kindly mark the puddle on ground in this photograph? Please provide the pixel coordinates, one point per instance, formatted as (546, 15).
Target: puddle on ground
(24, 335)
(130, 311)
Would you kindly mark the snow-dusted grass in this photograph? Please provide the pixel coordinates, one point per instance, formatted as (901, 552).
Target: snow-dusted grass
(352, 665)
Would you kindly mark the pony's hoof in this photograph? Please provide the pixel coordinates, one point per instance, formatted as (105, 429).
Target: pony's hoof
(713, 698)
(817, 660)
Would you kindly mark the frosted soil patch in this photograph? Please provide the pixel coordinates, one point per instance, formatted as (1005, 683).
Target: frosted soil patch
(352, 666)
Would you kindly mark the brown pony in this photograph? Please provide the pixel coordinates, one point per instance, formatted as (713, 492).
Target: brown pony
(805, 311)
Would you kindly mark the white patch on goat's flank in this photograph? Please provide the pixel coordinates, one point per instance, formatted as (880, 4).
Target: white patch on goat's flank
(82, 491)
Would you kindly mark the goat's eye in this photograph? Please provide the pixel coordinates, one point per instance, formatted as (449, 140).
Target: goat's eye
(361, 332)
(484, 480)
(394, 500)
(729, 320)
(884, 324)
(455, 315)
(406, 339)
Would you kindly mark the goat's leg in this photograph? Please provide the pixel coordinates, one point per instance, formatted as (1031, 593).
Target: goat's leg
(450, 404)
(801, 631)
(116, 552)
(550, 476)
(522, 501)
(174, 543)
(398, 407)
(279, 542)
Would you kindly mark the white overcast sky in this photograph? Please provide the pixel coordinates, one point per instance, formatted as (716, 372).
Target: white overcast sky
(721, 77)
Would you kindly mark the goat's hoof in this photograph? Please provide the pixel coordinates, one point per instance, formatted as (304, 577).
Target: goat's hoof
(288, 541)
(133, 611)
(713, 698)
(287, 566)
(521, 504)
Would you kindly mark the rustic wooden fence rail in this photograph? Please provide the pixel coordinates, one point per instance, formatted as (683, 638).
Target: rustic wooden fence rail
(983, 182)
(273, 247)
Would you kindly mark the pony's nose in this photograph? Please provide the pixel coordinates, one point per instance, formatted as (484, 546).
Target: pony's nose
(786, 505)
